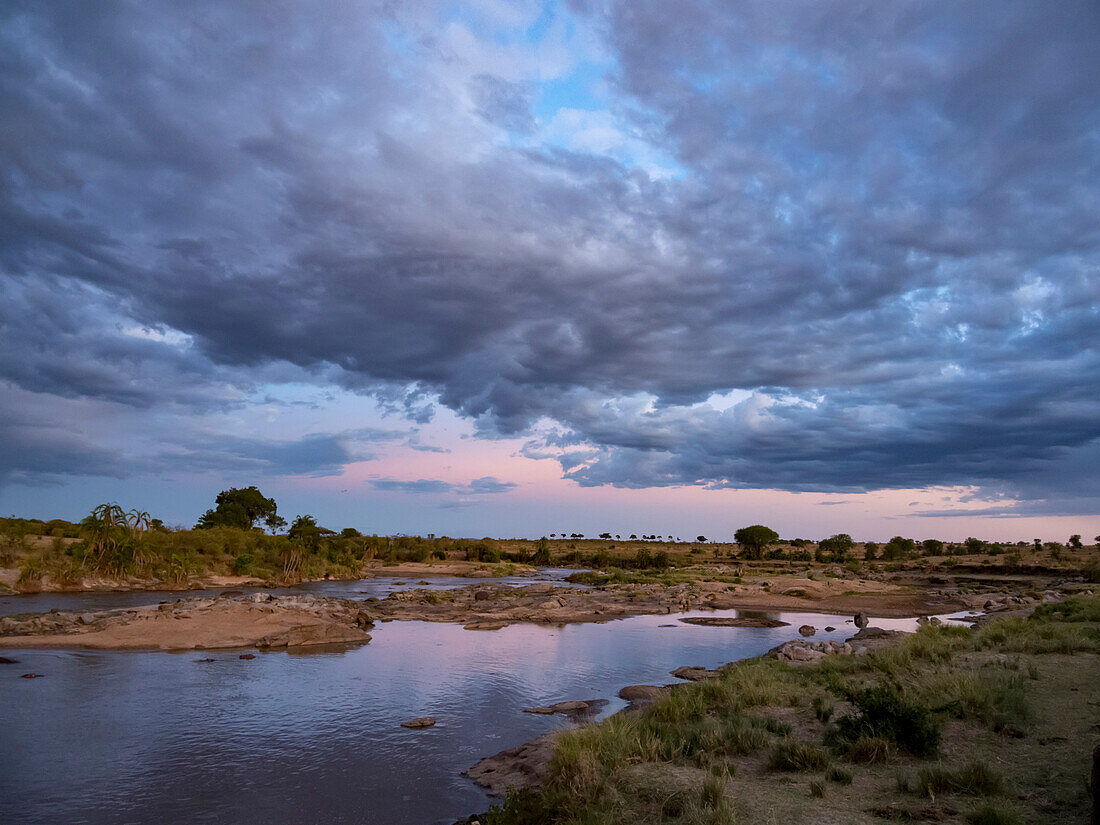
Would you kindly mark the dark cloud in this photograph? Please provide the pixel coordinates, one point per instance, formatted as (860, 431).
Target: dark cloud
(34, 451)
(486, 485)
(315, 454)
(881, 223)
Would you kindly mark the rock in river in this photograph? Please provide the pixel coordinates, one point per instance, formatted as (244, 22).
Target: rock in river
(572, 708)
(419, 722)
(807, 630)
(639, 694)
(734, 621)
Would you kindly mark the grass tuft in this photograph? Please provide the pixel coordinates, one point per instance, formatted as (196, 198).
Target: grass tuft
(792, 755)
(993, 813)
(973, 778)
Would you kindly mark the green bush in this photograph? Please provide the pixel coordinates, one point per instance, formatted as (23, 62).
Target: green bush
(882, 712)
(242, 565)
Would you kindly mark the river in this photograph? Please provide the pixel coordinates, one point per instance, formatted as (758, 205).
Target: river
(151, 737)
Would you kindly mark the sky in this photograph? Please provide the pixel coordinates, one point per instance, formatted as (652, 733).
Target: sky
(511, 268)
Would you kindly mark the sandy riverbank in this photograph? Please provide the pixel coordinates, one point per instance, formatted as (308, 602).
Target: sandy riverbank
(255, 620)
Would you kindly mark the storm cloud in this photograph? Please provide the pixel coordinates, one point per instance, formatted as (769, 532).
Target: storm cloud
(873, 224)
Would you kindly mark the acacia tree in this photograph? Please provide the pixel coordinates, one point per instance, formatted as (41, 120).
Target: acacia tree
(835, 548)
(755, 539)
(241, 507)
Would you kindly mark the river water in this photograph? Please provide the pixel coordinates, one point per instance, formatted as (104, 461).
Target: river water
(150, 737)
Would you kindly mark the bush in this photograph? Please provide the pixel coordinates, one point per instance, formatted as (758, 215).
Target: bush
(242, 565)
(842, 776)
(882, 712)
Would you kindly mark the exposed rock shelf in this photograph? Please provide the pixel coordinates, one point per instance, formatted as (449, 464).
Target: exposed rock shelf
(255, 620)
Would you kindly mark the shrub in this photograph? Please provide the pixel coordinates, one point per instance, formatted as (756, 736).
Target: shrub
(798, 756)
(243, 564)
(885, 713)
(817, 789)
(842, 776)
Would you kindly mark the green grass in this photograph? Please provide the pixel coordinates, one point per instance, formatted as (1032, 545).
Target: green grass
(973, 778)
(792, 755)
(676, 761)
(993, 813)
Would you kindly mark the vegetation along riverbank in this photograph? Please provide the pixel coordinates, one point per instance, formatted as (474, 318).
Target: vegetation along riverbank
(993, 726)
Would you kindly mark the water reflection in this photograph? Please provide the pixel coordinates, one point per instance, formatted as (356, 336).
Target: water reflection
(118, 737)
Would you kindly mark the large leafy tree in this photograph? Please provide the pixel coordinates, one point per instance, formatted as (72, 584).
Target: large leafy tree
(835, 548)
(241, 507)
(755, 539)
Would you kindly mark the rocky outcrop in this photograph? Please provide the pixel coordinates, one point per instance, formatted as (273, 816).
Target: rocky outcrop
(734, 621)
(642, 694)
(519, 767)
(874, 638)
(800, 651)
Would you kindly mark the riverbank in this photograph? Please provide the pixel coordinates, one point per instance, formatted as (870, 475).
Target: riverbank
(955, 725)
(10, 583)
(236, 619)
(233, 621)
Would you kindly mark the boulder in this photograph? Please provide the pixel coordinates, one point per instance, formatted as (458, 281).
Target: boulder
(571, 708)
(519, 767)
(31, 676)
(639, 694)
(247, 656)
(694, 673)
(419, 722)
(873, 638)
(482, 595)
(807, 630)
(799, 651)
(830, 629)
(4, 660)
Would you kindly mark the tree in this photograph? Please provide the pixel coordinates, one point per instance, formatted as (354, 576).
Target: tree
(870, 551)
(305, 531)
(898, 548)
(755, 539)
(701, 538)
(836, 547)
(275, 523)
(932, 547)
(240, 507)
(542, 552)
(1075, 541)
(974, 545)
